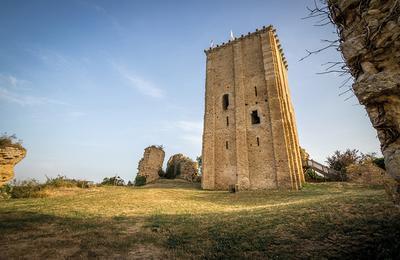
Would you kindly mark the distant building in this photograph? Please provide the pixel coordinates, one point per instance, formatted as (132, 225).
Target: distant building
(250, 137)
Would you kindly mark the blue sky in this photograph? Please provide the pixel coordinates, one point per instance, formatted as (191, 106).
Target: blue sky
(88, 84)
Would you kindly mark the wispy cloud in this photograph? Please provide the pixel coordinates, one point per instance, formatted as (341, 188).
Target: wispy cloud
(191, 126)
(144, 86)
(27, 100)
(53, 58)
(11, 81)
(12, 90)
(102, 11)
(188, 130)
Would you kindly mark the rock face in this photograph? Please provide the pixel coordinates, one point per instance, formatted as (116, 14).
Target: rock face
(367, 173)
(9, 157)
(180, 166)
(151, 163)
(369, 34)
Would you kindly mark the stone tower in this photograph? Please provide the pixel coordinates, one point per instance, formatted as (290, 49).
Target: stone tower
(250, 137)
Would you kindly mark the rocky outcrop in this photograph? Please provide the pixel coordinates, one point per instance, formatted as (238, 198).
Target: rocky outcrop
(180, 166)
(9, 157)
(151, 163)
(369, 34)
(366, 173)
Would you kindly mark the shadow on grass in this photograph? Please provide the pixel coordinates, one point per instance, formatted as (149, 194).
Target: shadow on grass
(33, 235)
(262, 234)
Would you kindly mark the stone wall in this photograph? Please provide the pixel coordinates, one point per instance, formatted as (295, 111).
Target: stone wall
(180, 166)
(252, 142)
(9, 157)
(151, 163)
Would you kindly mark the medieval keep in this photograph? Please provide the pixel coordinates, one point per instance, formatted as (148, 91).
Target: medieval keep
(250, 137)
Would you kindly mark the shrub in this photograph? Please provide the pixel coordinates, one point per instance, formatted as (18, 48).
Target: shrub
(113, 181)
(380, 162)
(10, 141)
(161, 173)
(5, 191)
(140, 180)
(310, 174)
(63, 181)
(24, 189)
(173, 171)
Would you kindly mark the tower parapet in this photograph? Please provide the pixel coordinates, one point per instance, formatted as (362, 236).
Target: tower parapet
(248, 35)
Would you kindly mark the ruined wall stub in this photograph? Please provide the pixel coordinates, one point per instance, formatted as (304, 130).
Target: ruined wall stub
(181, 166)
(151, 163)
(250, 136)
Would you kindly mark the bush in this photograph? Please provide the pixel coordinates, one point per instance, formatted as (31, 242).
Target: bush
(5, 191)
(140, 180)
(310, 174)
(380, 162)
(161, 173)
(113, 181)
(33, 189)
(10, 141)
(25, 189)
(62, 181)
(173, 171)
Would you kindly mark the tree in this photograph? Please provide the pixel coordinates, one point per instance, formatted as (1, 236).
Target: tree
(199, 160)
(339, 161)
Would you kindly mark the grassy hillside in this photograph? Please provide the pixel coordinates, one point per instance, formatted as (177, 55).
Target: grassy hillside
(177, 219)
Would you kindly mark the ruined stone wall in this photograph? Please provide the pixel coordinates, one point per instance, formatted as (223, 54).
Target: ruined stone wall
(251, 70)
(151, 163)
(9, 157)
(182, 167)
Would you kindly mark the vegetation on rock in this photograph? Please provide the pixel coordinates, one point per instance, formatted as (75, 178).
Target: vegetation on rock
(10, 141)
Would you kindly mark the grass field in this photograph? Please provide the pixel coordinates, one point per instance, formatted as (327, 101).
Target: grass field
(175, 219)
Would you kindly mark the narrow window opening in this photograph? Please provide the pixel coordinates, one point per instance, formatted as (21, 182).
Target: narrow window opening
(225, 101)
(255, 90)
(258, 141)
(255, 119)
(227, 121)
(226, 145)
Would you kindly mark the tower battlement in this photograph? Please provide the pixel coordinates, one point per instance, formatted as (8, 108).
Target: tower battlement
(248, 35)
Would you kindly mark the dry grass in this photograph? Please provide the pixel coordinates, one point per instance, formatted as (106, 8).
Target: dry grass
(175, 219)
